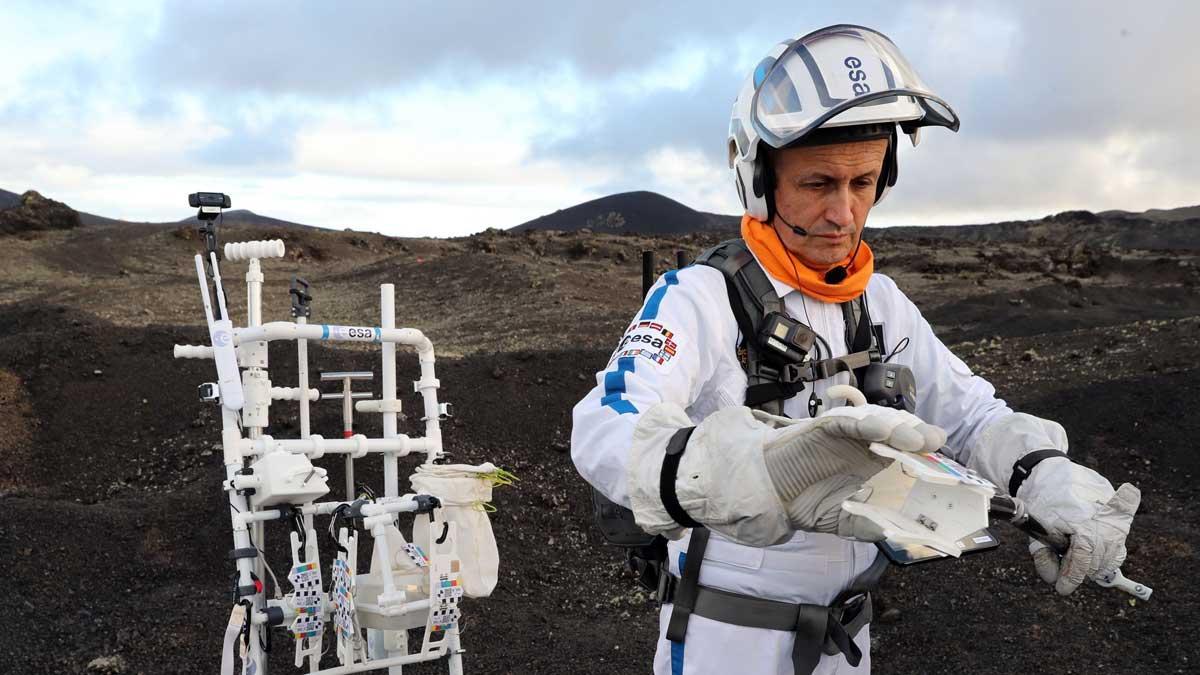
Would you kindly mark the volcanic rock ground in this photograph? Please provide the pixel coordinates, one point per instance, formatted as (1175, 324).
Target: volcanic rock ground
(113, 530)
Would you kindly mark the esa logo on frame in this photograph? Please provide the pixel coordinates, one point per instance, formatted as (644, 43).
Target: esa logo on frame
(648, 340)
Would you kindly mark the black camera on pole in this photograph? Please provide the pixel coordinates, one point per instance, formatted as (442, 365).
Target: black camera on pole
(209, 203)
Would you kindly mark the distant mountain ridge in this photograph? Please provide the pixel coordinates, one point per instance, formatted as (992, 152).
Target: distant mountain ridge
(1160, 215)
(9, 199)
(654, 214)
(1153, 230)
(650, 213)
(249, 218)
(642, 212)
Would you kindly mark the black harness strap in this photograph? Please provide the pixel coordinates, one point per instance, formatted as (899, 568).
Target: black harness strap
(860, 337)
(689, 583)
(819, 630)
(751, 297)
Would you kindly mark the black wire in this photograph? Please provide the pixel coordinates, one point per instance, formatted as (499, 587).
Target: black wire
(900, 346)
(301, 532)
(828, 353)
(245, 632)
(795, 272)
(867, 310)
(248, 528)
(339, 512)
(808, 320)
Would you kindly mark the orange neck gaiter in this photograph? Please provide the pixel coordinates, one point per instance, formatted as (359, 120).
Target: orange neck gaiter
(786, 267)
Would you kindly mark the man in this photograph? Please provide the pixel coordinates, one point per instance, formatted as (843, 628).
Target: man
(767, 569)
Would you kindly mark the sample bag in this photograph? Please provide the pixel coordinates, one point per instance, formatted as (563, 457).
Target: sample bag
(466, 492)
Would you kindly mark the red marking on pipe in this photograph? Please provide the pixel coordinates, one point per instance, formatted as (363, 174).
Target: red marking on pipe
(347, 433)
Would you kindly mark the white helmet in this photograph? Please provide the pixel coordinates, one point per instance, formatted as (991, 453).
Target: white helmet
(836, 85)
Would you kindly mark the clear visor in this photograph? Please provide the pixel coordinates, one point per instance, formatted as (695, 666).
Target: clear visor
(839, 76)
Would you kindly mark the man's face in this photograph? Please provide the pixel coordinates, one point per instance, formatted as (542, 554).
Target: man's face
(827, 190)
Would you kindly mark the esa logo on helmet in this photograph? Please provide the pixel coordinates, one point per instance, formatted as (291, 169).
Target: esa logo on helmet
(857, 76)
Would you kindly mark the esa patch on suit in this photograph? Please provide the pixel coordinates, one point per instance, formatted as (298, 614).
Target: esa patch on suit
(650, 340)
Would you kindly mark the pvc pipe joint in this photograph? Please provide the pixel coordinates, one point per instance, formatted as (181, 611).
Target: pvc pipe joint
(375, 406)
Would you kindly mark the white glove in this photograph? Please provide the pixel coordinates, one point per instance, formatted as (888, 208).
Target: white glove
(812, 466)
(1075, 501)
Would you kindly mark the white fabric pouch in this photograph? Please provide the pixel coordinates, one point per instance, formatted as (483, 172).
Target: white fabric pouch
(465, 492)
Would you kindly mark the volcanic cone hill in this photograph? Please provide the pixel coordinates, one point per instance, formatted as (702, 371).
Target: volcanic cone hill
(247, 218)
(628, 212)
(114, 530)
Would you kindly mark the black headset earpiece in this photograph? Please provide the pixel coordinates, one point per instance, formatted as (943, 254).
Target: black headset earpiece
(887, 174)
(764, 182)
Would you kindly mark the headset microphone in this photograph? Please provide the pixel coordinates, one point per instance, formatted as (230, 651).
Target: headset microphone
(838, 274)
(794, 228)
(834, 275)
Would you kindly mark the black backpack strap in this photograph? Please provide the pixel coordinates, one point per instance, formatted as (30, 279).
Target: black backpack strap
(860, 334)
(858, 326)
(746, 278)
(752, 296)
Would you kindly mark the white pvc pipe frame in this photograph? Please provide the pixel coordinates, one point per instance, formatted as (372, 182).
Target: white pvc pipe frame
(393, 445)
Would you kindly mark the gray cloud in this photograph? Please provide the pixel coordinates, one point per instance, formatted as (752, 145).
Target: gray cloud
(1062, 70)
(265, 146)
(1078, 72)
(622, 128)
(1038, 85)
(61, 92)
(337, 49)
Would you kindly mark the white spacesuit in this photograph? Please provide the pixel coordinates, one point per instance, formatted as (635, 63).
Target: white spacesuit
(678, 364)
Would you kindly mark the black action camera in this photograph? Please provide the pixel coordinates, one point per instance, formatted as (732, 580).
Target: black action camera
(786, 337)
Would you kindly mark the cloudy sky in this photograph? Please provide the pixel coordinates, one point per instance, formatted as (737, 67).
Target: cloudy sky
(444, 118)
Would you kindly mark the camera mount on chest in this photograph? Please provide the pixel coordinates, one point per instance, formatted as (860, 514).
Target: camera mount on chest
(781, 355)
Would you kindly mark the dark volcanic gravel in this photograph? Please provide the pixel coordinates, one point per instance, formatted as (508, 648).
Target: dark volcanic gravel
(113, 537)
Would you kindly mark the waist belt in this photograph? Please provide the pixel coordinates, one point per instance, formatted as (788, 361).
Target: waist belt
(819, 629)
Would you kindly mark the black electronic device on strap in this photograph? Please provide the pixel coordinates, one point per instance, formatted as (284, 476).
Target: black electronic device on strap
(890, 385)
(786, 337)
